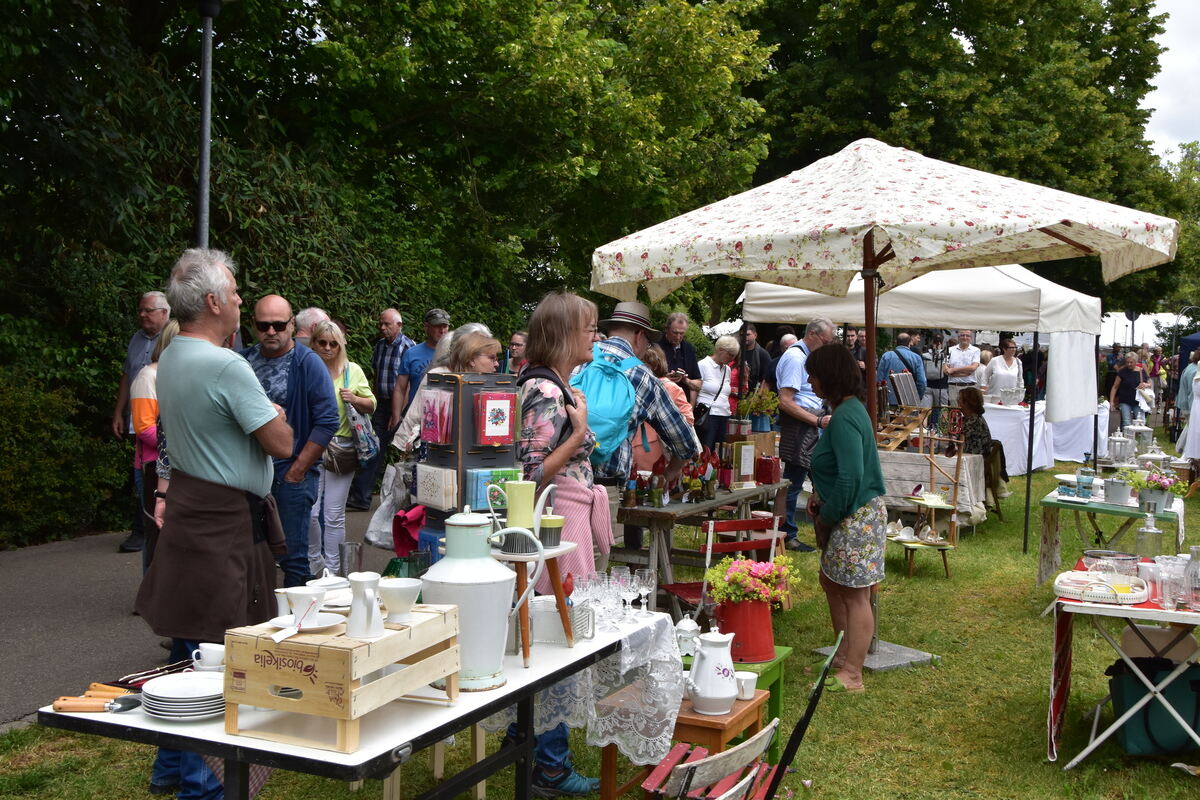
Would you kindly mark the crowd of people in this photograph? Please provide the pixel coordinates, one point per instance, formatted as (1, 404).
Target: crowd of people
(245, 460)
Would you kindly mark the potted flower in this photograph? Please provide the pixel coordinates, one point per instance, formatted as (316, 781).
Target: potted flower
(761, 401)
(745, 591)
(1154, 486)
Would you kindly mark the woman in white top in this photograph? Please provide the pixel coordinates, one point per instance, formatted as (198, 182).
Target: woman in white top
(715, 387)
(985, 357)
(1004, 372)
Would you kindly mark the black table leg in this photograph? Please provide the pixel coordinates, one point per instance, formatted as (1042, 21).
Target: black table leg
(237, 780)
(523, 780)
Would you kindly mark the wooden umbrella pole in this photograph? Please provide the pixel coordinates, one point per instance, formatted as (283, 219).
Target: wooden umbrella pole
(870, 273)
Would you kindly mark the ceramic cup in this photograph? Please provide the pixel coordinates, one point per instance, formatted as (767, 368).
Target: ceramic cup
(398, 596)
(746, 682)
(282, 606)
(209, 655)
(306, 604)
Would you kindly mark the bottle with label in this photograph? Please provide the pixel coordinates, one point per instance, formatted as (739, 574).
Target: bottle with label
(1191, 580)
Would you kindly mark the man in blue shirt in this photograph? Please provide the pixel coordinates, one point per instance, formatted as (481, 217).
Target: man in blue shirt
(901, 359)
(295, 378)
(414, 363)
(385, 360)
(801, 418)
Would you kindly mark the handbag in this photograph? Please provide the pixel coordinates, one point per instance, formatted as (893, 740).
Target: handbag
(700, 410)
(341, 456)
(366, 441)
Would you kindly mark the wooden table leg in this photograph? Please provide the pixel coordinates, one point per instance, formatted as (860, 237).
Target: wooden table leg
(560, 598)
(523, 611)
(1049, 558)
(608, 772)
(910, 557)
(945, 563)
(661, 533)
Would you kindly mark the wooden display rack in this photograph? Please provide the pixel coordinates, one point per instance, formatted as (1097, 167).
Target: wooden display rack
(328, 670)
(463, 453)
(897, 430)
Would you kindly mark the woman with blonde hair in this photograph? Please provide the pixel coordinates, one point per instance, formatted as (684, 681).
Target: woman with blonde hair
(716, 384)
(341, 459)
(554, 445)
(143, 410)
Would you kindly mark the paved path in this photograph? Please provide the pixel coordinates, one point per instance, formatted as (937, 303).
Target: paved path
(69, 618)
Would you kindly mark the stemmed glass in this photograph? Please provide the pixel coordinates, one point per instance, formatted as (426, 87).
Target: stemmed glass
(603, 593)
(627, 589)
(647, 582)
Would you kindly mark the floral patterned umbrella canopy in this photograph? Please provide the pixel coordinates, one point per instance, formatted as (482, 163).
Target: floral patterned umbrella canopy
(816, 228)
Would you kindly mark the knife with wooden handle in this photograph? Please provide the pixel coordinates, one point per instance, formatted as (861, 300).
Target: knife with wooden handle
(97, 704)
(106, 689)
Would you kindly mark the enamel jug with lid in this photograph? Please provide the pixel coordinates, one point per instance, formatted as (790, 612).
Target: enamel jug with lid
(482, 588)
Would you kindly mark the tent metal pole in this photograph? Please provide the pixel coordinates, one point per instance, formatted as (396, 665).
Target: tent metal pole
(869, 273)
(1095, 419)
(1029, 448)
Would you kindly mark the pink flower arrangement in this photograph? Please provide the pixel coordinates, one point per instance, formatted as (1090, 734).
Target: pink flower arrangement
(742, 580)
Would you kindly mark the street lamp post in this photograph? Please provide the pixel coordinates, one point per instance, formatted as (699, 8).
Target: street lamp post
(208, 9)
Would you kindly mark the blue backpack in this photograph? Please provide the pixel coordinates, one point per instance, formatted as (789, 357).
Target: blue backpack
(611, 400)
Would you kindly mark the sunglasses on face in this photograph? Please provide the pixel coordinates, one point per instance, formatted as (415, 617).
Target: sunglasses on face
(330, 343)
(264, 326)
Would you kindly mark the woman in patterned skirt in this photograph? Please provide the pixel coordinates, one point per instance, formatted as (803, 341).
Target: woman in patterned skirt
(847, 510)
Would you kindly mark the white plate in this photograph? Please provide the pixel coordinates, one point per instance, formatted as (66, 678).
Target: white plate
(182, 704)
(185, 717)
(1079, 500)
(324, 620)
(185, 686)
(1064, 478)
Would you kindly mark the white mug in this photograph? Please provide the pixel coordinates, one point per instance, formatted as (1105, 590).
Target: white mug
(306, 604)
(746, 683)
(209, 655)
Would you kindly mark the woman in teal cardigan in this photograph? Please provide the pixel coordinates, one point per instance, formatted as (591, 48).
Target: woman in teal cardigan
(847, 510)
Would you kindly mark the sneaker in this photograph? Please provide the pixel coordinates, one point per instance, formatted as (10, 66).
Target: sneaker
(797, 545)
(567, 783)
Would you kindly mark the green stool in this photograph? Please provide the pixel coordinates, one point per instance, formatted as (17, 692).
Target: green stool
(770, 677)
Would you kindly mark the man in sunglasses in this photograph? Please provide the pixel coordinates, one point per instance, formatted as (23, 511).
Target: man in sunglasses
(294, 377)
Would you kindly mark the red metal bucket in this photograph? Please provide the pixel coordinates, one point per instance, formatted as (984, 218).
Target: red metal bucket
(751, 622)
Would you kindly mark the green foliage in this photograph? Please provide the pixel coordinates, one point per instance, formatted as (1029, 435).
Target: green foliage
(56, 478)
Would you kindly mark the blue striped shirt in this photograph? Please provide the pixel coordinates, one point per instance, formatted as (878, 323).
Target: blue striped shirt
(654, 406)
(386, 362)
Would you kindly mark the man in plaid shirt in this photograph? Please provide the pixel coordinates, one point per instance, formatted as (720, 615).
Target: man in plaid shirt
(389, 349)
(630, 333)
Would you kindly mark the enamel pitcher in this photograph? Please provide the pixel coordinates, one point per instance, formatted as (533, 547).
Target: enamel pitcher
(711, 686)
(482, 588)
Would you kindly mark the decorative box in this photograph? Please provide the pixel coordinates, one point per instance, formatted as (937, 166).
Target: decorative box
(437, 487)
(767, 469)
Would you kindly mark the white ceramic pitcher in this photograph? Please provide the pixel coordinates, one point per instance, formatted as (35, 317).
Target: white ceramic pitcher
(712, 686)
(365, 621)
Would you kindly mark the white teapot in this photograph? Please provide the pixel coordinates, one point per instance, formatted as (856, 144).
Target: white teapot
(711, 685)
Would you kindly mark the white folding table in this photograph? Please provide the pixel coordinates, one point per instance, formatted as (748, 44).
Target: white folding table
(1065, 612)
(389, 735)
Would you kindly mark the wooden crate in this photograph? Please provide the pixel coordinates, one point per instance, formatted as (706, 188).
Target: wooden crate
(328, 669)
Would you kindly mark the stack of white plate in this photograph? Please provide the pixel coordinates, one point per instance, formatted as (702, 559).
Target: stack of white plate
(185, 696)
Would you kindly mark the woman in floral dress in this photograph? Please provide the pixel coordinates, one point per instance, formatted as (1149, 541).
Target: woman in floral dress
(847, 510)
(554, 446)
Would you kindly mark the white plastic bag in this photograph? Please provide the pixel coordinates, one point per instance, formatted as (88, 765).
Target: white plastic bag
(395, 493)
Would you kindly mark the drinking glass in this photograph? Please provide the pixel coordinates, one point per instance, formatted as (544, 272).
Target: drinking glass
(605, 598)
(647, 580)
(627, 590)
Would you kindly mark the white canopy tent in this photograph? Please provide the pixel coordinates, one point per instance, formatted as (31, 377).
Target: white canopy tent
(1007, 297)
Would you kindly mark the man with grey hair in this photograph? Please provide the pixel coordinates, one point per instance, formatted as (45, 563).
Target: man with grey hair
(212, 567)
(305, 321)
(153, 312)
(961, 363)
(682, 364)
(801, 417)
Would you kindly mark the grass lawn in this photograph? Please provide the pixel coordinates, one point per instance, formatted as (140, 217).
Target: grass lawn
(972, 726)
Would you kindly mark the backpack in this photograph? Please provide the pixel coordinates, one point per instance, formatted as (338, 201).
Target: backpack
(611, 400)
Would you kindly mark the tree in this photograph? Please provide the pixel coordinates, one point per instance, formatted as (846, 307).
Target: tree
(1048, 93)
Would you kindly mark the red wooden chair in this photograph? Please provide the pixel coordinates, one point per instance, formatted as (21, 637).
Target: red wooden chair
(691, 592)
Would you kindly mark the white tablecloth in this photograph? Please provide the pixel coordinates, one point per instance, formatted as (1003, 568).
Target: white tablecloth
(1072, 438)
(1010, 426)
(903, 471)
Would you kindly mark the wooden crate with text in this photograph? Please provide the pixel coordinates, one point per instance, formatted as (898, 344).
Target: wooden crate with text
(328, 674)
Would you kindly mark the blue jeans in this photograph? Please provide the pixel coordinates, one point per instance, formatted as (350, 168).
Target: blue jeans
(1127, 411)
(551, 749)
(295, 502)
(177, 767)
(796, 474)
(713, 431)
(137, 526)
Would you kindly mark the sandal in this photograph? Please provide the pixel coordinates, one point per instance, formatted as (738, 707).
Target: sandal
(834, 685)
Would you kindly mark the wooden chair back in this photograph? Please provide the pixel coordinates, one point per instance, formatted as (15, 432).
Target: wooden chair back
(721, 772)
